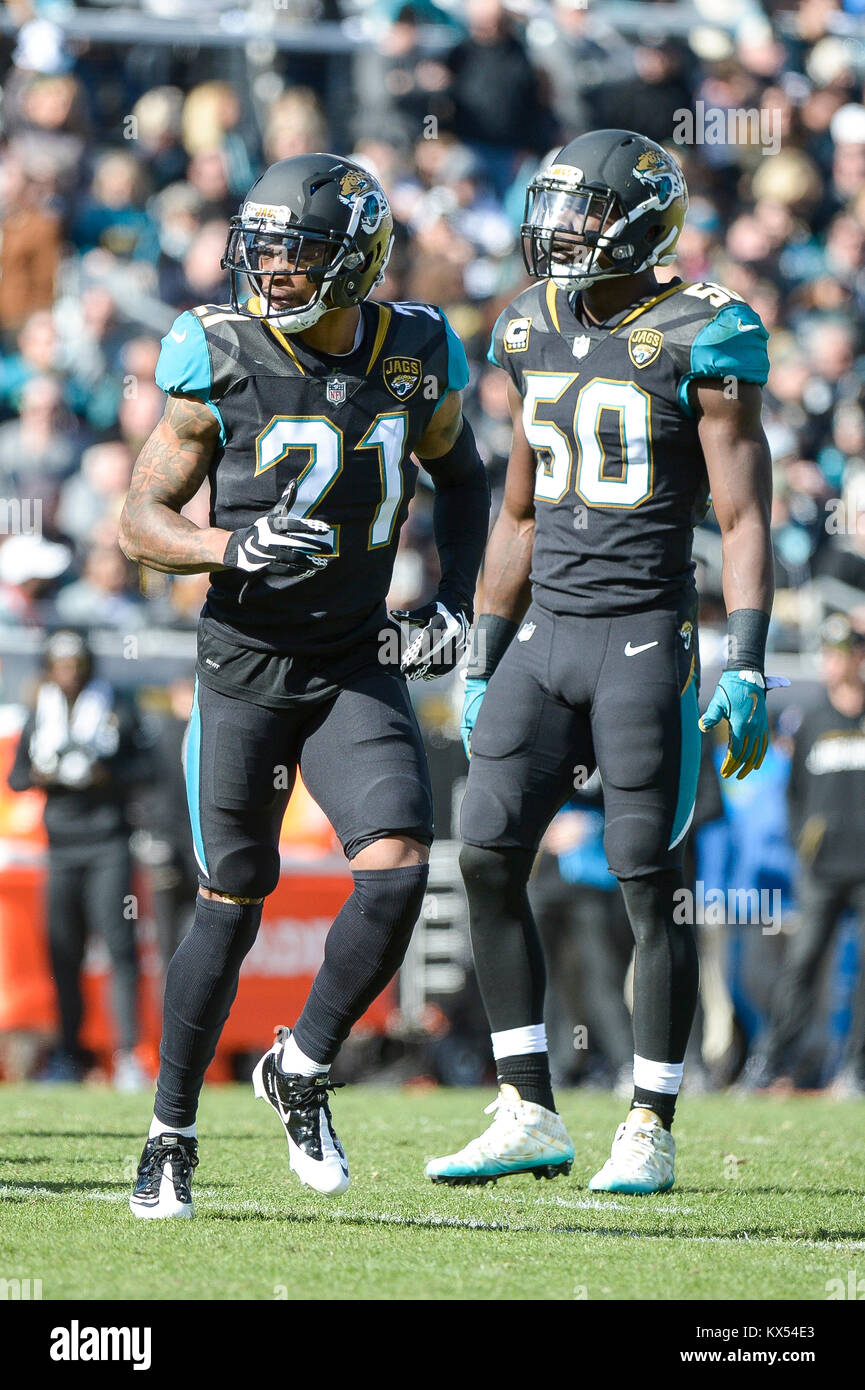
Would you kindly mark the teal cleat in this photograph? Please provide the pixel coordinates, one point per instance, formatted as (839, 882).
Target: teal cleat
(642, 1159)
(523, 1138)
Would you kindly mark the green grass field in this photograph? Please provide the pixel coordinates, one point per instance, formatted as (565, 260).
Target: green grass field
(768, 1204)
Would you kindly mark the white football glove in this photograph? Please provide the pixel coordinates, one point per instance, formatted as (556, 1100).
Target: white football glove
(290, 546)
(439, 644)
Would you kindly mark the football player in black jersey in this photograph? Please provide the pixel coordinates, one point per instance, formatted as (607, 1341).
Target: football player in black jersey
(631, 399)
(302, 402)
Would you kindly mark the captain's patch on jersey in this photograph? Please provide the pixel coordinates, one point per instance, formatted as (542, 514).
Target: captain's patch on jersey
(516, 338)
(644, 344)
(401, 376)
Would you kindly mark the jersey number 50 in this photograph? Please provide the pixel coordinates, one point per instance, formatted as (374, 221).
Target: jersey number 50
(619, 476)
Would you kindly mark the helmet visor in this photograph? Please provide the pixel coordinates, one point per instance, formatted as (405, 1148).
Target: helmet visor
(288, 267)
(566, 231)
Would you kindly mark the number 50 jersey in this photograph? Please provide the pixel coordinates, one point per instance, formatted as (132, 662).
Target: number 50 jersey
(344, 427)
(621, 479)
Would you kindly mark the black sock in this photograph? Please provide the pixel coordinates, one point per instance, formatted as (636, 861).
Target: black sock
(530, 1073)
(365, 948)
(663, 1105)
(666, 979)
(200, 987)
(508, 956)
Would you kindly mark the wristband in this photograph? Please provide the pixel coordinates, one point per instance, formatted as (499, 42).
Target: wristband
(747, 629)
(489, 641)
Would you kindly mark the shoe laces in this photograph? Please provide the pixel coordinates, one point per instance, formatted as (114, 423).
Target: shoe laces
(506, 1118)
(639, 1140)
(313, 1095)
(153, 1162)
(306, 1098)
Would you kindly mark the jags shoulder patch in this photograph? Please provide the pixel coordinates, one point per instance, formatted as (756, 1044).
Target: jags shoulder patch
(402, 376)
(516, 335)
(644, 344)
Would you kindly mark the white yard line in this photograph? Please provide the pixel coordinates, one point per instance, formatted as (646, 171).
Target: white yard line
(432, 1221)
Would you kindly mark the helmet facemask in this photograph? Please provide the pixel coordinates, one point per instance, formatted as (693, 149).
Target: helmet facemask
(570, 234)
(267, 248)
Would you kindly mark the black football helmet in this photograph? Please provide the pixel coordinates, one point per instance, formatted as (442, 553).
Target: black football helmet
(612, 203)
(318, 215)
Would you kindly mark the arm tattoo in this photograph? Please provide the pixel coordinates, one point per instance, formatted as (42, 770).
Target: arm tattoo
(171, 468)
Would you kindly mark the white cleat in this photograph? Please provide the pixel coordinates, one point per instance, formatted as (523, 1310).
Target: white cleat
(523, 1138)
(642, 1159)
(163, 1186)
(314, 1151)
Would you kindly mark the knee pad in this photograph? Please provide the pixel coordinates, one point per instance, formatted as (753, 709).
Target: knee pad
(390, 900)
(650, 903)
(222, 934)
(635, 844)
(246, 872)
(495, 880)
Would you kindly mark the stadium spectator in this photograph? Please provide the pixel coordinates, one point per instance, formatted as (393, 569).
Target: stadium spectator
(105, 595)
(156, 126)
(295, 125)
(29, 247)
(498, 107)
(212, 123)
(81, 745)
(178, 210)
(113, 217)
(97, 492)
(37, 354)
(29, 569)
(41, 448)
(399, 87)
(826, 800)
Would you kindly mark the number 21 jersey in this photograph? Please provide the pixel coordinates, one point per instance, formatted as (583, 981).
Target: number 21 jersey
(344, 427)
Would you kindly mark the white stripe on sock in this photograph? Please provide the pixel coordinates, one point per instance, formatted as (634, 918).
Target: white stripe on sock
(664, 1078)
(157, 1128)
(517, 1042)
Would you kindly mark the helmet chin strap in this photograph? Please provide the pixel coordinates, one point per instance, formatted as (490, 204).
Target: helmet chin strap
(581, 282)
(297, 323)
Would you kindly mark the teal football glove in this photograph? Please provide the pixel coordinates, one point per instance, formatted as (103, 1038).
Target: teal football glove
(475, 691)
(740, 698)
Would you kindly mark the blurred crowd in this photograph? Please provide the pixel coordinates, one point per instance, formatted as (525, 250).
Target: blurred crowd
(121, 164)
(119, 168)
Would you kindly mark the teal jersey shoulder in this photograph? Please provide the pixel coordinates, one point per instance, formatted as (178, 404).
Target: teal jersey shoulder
(458, 363)
(185, 364)
(733, 343)
(184, 360)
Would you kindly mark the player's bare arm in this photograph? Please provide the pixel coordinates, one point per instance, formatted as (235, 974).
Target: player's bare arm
(505, 584)
(170, 469)
(740, 477)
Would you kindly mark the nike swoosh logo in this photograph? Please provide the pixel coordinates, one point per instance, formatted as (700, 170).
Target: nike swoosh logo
(634, 651)
(747, 327)
(179, 337)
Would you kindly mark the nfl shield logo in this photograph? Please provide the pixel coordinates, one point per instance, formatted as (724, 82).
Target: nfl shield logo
(582, 345)
(335, 390)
